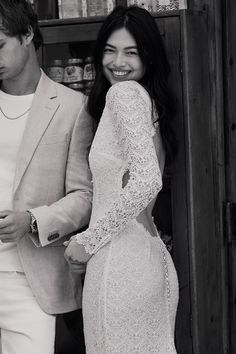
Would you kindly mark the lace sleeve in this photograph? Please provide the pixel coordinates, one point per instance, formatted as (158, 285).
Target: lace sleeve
(131, 114)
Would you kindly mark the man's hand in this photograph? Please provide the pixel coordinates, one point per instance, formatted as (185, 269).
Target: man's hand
(76, 256)
(13, 225)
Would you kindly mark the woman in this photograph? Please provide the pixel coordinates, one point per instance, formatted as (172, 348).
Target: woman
(131, 290)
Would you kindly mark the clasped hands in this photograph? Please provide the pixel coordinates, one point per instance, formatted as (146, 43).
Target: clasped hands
(76, 255)
(13, 225)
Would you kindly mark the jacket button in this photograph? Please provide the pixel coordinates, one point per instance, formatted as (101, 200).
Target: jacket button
(53, 236)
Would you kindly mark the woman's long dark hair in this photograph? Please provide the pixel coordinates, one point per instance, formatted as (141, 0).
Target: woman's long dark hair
(142, 26)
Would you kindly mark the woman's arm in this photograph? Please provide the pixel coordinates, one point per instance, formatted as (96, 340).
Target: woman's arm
(131, 114)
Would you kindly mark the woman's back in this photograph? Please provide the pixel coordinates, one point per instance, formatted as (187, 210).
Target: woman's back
(145, 217)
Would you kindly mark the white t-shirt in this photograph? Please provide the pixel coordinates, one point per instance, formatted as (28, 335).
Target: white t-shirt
(11, 133)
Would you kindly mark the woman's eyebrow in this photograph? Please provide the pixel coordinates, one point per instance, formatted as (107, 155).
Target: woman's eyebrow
(130, 47)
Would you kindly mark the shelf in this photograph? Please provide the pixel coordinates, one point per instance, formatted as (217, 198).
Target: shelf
(71, 21)
(82, 29)
(95, 19)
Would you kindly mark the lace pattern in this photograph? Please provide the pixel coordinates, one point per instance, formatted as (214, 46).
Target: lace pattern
(134, 129)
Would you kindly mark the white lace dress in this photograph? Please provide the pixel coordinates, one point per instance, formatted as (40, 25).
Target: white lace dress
(131, 290)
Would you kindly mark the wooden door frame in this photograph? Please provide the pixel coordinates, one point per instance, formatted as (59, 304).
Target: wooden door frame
(204, 151)
(229, 14)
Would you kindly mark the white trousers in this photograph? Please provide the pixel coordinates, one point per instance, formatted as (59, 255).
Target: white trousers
(25, 327)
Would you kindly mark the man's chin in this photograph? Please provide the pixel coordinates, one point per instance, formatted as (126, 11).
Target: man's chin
(3, 76)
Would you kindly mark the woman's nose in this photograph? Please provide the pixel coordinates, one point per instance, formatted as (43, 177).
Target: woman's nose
(119, 60)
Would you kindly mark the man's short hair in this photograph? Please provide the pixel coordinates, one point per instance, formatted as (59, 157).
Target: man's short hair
(17, 17)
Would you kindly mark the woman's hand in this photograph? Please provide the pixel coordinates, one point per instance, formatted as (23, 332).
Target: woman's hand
(76, 255)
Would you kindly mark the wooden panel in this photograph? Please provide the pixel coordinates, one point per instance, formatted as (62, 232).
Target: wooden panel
(230, 101)
(230, 127)
(171, 32)
(201, 159)
(70, 32)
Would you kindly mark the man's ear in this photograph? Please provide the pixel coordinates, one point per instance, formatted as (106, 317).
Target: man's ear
(28, 37)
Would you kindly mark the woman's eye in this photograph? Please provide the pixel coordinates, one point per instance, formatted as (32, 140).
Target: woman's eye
(108, 50)
(132, 53)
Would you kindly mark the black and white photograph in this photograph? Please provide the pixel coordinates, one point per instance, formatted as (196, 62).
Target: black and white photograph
(117, 177)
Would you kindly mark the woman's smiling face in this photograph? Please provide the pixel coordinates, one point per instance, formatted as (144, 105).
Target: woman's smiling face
(121, 60)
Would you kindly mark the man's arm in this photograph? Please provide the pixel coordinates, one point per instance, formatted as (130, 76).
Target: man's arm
(69, 213)
(72, 212)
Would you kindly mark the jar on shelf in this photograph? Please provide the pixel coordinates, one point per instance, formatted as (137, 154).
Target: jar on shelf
(56, 70)
(89, 72)
(77, 86)
(73, 71)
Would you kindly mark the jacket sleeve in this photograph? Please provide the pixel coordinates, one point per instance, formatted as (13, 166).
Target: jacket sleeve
(132, 117)
(71, 212)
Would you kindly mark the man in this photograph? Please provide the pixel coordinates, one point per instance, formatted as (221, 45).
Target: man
(45, 187)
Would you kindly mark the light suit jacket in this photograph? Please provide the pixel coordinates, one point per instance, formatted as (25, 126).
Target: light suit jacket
(53, 181)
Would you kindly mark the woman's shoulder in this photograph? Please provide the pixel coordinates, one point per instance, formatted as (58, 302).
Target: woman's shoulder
(132, 103)
(128, 90)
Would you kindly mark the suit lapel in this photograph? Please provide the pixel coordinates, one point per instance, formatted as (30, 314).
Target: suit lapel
(44, 106)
